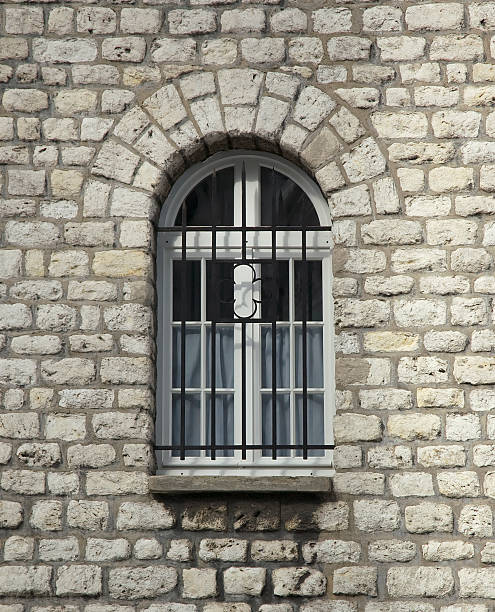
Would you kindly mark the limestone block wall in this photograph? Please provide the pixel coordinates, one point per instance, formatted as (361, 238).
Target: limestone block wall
(388, 105)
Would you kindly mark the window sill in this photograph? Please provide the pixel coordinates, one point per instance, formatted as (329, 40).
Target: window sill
(240, 484)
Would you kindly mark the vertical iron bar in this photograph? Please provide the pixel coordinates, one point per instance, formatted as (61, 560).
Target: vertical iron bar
(243, 365)
(305, 345)
(243, 212)
(213, 307)
(243, 323)
(274, 319)
(184, 297)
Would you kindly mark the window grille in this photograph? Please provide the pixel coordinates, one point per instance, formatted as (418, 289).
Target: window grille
(237, 286)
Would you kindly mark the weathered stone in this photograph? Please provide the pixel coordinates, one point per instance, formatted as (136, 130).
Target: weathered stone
(63, 549)
(116, 483)
(223, 550)
(78, 580)
(476, 582)
(139, 515)
(92, 515)
(274, 550)
(298, 581)
(388, 551)
(411, 484)
(23, 482)
(199, 583)
(376, 515)
(244, 580)
(355, 581)
(11, 514)
(19, 581)
(420, 581)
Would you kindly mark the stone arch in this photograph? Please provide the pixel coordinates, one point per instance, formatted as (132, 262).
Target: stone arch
(189, 118)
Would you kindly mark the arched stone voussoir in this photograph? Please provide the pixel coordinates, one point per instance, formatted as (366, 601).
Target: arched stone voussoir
(191, 117)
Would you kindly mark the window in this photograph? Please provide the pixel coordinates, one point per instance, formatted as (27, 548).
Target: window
(245, 321)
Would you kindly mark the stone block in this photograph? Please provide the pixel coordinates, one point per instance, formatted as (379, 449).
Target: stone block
(411, 484)
(100, 549)
(124, 49)
(144, 516)
(476, 582)
(199, 583)
(414, 426)
(116, 483)
(476, 521)
(355, 581)
(420, 581)
(89, 515)
(223, 549)
(244, 580)
(60, 549)
(376, 515)
(78, 580)
(389, 551)
(20, 581)
(298, 581)
(274, 550)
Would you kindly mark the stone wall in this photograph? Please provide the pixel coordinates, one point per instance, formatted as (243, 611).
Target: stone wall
(388, 106)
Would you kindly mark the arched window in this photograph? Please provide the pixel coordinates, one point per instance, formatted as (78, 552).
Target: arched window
(243, 257)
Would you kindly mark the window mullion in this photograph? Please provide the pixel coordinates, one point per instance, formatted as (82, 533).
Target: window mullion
(203, 356)
(292, 357)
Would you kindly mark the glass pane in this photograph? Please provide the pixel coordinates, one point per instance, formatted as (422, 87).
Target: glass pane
(192, 424)
(224, 422)
(308, 288)
(193, 357)
(268, 291)
(187, 281)
(290, 206)
(200, 205)
(283, 357)
(283, 423)
(316, 423)
(314, 348)
(220, 291)
(224, 362)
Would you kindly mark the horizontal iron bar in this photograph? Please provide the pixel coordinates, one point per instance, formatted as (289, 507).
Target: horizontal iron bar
(238, 228)
(247, 447)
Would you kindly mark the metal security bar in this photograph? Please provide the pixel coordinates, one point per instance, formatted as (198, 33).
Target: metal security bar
(265, 311)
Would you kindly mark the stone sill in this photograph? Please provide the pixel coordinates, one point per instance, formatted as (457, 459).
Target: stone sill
(240, 484)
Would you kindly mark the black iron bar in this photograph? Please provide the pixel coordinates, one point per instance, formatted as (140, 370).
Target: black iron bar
(304, 345)
(243, 391)
(243, 323)
(243, 211)
(249, 228)
(183, 310)
(247, 447)
(274, 317)
(213, 309)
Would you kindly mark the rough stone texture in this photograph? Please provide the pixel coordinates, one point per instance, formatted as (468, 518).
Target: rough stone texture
(390, 108)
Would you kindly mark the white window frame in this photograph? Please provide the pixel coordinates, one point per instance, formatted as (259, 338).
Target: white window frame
(319, 246)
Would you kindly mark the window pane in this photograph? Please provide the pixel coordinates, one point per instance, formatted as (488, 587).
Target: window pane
(275, 297)
(193, 357)
(187, 281)
(283, 423)
(283, 357)
(199, 201)
(219, 291)
(316, 424)
(224, 362)
(224, 423)
(192, 423)
(308, 288)
(292, 206)
(314, 346)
